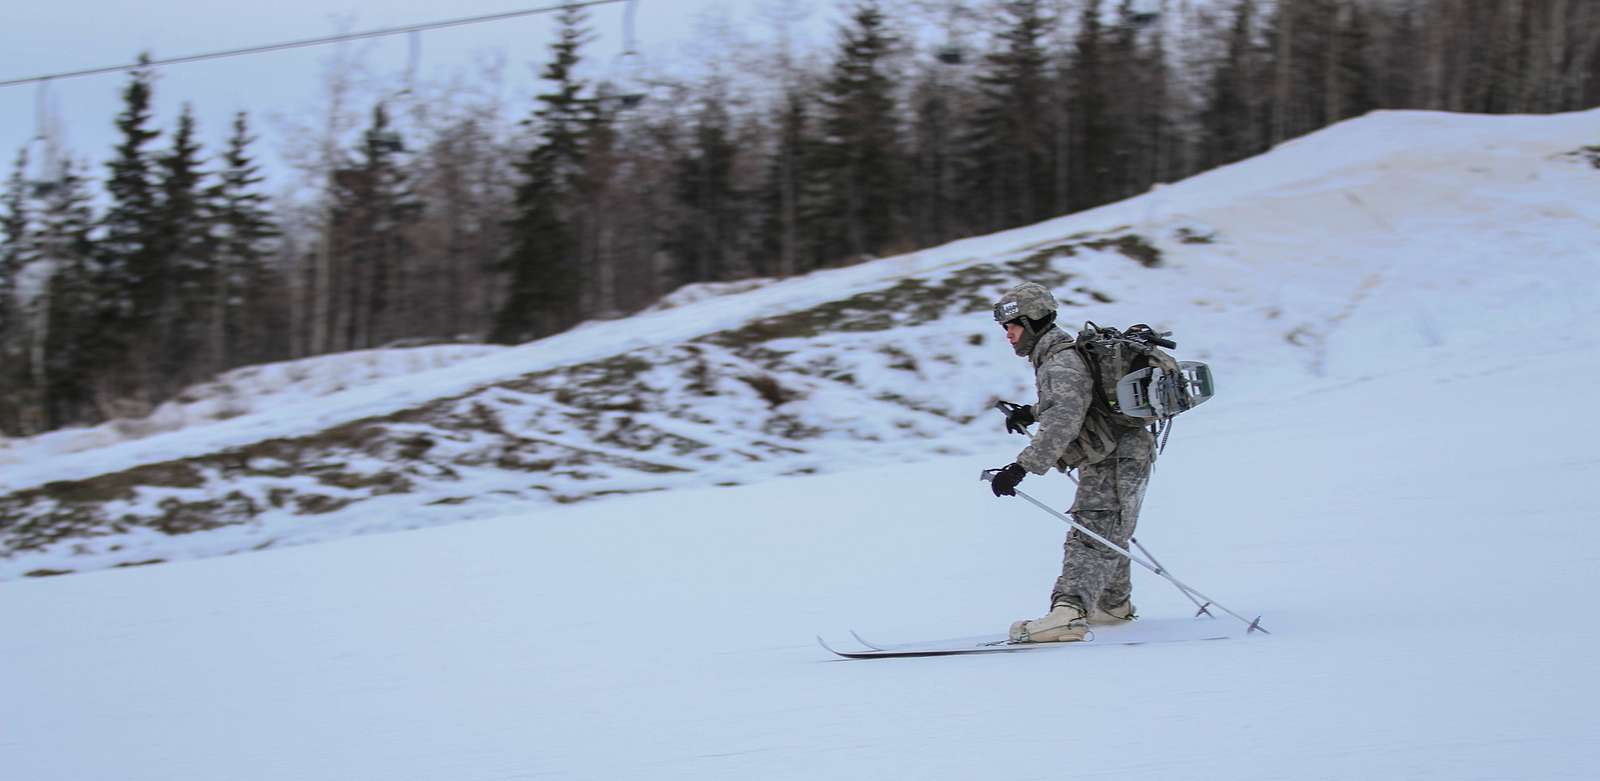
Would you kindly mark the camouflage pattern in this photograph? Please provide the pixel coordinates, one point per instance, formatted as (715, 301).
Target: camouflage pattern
(1027, 300)
(1113, 461)
(1109, 495)
(1070, 432)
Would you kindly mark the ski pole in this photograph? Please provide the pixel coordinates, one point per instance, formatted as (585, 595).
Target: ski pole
(1162, 568)
(1254, 626)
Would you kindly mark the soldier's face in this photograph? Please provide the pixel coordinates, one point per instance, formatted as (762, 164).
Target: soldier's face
(1013, 332)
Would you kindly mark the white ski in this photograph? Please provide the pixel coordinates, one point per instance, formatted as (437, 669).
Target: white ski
(1136, 633)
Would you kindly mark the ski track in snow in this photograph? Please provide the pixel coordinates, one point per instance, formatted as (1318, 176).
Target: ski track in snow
(1392, 492)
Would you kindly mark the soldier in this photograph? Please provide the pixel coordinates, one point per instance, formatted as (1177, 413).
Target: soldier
(1113, 464)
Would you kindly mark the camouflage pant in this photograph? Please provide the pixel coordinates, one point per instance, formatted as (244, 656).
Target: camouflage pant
(1108, 499)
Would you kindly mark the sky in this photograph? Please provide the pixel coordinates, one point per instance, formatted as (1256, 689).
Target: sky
(281, 90)
(285, 91)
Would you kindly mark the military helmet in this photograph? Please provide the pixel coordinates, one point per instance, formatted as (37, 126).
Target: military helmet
(1029, 300)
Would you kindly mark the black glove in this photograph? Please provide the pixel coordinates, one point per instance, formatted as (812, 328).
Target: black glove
(1005, 481)
(1018, 417)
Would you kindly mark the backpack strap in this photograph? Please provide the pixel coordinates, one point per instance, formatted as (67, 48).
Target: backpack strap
(1112, 340)
(1080, 343)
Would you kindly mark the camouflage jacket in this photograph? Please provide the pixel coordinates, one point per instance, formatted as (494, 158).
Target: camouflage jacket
(1071, 433)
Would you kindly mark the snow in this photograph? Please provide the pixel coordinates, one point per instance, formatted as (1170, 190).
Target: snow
(1398, 310)
(249, 391)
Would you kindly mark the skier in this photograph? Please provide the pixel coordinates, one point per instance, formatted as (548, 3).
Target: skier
(1113, 464)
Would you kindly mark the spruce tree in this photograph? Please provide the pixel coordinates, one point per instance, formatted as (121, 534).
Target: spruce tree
(1358, 78)
(1123, 66)
(244, 233)
(69, 349)
(860, 160)
(708, 196)
(188, 278)
(936, 161)
(374, 209)
(1011, 143)
(543, 262)
(397, 209)
(1400, 61)
(594, 220)
(461, 182)
(784, 235)
(1137, 64)
(133, 270)
(1093, 140)
(1160, 115)
(1229, 120)
(16, 252)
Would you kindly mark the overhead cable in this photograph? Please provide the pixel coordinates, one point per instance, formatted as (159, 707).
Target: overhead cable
(322, 41)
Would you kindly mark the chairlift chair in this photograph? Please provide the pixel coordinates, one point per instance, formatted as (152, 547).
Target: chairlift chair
(1145, 12)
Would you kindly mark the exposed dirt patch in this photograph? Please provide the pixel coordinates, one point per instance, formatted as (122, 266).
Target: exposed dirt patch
(632, 408)
(769, 389)
(1589, 153)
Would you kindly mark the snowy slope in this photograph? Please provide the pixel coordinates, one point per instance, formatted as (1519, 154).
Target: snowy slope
(1397, 307)
(669, 636)
(885, 362)
(252, 390)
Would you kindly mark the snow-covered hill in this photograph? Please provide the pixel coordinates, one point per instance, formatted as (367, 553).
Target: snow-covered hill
(1399, 309)
(1260, 264)
(251, 390)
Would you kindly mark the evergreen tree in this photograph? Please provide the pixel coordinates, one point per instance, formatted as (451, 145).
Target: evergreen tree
(243, 325)
(1155, 118)
(16, 252)
(1311, 66)
(1092, 134)
(546, 280)
(133, 269)
(784, 233)
(185, 248)
(1012, 143)
(1357, 77)
(936, 161)
(69, 349)
(461, 182)
(1128, 106)
(709, 197)
(859, 160)
(593, 220)
(1400, 60)
(1229, 117)
(397, 284)
(374, 209)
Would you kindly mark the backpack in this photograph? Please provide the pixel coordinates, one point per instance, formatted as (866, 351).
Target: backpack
(1136, 382)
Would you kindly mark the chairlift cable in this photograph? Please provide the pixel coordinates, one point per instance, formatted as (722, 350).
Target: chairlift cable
(320, 41)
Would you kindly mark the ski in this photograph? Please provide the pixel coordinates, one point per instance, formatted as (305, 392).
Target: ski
(1137, 633)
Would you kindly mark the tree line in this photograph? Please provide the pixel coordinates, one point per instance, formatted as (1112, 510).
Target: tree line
(596, 204)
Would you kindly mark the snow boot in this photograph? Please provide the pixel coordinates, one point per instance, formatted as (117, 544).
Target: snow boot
(1117, 614)
(1063, 624)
